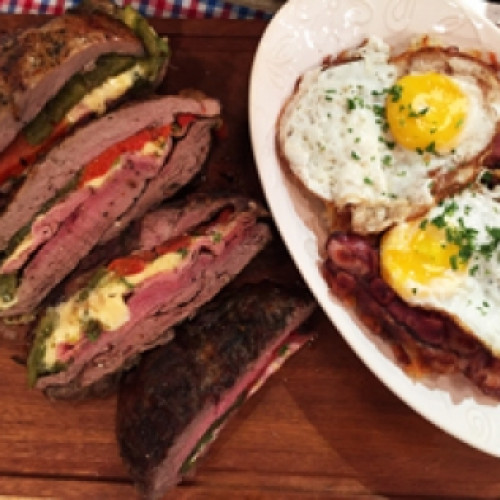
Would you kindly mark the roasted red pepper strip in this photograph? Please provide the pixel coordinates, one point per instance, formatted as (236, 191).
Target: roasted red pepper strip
(126, 266)
(222, 217)
(103, 163)
(20, 154)
(174, 245)
(185, 119)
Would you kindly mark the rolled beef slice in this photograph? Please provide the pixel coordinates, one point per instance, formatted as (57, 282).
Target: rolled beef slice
(43, 59)
(185, 162)
(78, 234)
(63, 162)
(180, 395)
(155, 305)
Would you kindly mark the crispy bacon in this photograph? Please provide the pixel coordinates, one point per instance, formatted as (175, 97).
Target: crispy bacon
(423, 341)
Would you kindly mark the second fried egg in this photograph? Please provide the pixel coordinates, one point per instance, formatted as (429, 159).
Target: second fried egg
(449, 261)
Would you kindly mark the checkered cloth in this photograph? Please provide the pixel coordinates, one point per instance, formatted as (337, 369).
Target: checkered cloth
(158, 8)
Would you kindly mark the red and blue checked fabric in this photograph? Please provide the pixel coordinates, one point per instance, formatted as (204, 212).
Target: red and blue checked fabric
(158, 8)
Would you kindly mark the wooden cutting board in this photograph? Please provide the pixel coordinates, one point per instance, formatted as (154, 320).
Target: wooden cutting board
(323, 427)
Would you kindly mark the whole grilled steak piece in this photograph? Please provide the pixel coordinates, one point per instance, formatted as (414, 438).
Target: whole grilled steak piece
(43, 59)
(127, 306)
(65, 161)
(178, 398)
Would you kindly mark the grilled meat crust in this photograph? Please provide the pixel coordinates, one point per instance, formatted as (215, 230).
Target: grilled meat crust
(36, 65)
(160, 402)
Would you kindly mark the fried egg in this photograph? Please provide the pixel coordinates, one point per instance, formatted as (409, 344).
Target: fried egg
(449, 261)
(384, 137)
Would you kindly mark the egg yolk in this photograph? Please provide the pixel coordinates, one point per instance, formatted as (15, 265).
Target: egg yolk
(426, 112)
(414, 259)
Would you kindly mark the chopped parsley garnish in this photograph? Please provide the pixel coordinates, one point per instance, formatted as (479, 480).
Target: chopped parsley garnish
(283, 350)
(451, 208)
(355, 155)
(387, 160)
(415, 114)
(216, 237)
(439, 221)
(463, 237)
(431, 147)
(487, 177)
(367, 180)
(487, 249)
(454, 262)
(473, 270)
(379, 110)
(395, 92)
(355, 102)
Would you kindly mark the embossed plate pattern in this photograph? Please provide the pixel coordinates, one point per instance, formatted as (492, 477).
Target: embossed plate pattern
(298, 37)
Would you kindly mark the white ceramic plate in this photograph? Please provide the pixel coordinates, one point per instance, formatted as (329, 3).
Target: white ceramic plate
(299, 36)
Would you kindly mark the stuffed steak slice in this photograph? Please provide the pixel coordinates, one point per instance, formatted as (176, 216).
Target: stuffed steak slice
(50, 246)
(62, 164)
(127, 306)
(173, 405)
(76, 66)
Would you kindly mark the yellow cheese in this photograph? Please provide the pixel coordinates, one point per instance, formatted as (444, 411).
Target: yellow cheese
(154, 148)
(21, 247)
(105, 304)
(163, 263)
(110, 90)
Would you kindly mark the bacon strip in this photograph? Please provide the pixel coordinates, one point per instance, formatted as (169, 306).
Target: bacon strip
(423, 341)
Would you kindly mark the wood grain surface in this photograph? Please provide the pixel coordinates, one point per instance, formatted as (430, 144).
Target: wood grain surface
(322, 428)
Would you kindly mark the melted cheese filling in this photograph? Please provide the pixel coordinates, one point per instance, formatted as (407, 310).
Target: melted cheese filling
(110, 90)
(104, 304)
(23, 245)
